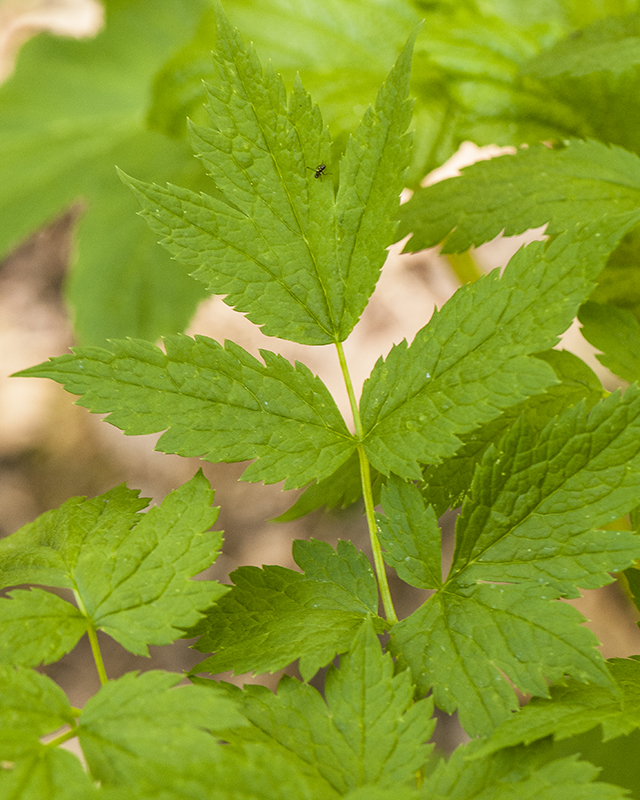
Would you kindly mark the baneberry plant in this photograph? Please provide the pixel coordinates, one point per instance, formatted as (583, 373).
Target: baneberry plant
(479, 411)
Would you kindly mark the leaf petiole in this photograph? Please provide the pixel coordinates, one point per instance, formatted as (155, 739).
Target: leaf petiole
(64, 737)
(365, 474)
(93, 640)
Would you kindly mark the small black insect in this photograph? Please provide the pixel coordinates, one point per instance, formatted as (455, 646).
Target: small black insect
(319, 171)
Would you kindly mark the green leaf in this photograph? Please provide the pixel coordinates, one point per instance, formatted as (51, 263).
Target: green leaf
(460, 641)
(575, 708)
(311, 277)
(47, 774)
(369, 732)
(346, 566)
(619, 281)
(38, 627)
(218, 403)
(147, 721)
(616, 332)
(525, 537)
(274, 615)
(469, 61)
(538, 497)
(476, 78)
(70, 112)
(446, 485)
(466, 80)
(472, 360)
(525, 774)
(341, 48)
(576, 184)
(339, 490)
(32, 706)
(248, 773)
(129, 571)
(611, 44)
(410, 534)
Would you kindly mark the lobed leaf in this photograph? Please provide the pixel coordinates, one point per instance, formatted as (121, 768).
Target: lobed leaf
(576, 184)
(446, 485)
(537, 500)
(409, 532)
(130, 572)
(219, 403)
(147, 720)
(369, 732)
(38, 627)
(473, 359)
(525, 774)
(47, 774)
(273, 239)
(573, 709)
(32, 706)
(274, 615)
(248, 773)
(527, 535)
(460, 641)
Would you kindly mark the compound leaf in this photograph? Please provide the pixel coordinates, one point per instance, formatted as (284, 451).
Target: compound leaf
(219, 403)
(274, 615)
(273, 239)
(472, 360)
(524, 538)
(368, 732)
(129, 571)
(575, 184)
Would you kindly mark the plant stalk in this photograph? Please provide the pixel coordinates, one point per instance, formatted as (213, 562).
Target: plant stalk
(93, 640)
(465, 267)
(62, 738)
(365, 475)
(97, 655)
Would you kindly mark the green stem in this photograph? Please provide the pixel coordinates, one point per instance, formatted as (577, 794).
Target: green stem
(62, 738)
(97, 655)
(365, 474)
(465, 267)
(93, 640)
